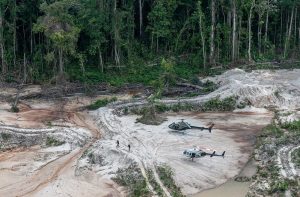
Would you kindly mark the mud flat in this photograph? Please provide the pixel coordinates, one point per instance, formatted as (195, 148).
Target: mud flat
(232, 188)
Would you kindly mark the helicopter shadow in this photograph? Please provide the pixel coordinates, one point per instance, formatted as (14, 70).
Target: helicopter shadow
(184, 133)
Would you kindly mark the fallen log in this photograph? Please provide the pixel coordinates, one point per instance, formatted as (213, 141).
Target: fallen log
(190, 85)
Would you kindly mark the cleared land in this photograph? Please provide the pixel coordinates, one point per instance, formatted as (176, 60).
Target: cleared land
(88, 157)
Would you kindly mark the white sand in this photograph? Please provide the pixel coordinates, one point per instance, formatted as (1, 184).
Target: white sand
(60, 171)
(154, 145)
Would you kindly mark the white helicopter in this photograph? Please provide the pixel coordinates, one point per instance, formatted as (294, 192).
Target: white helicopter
(197, 153)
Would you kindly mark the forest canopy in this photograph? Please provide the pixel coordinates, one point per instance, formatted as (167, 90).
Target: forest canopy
(119, 41)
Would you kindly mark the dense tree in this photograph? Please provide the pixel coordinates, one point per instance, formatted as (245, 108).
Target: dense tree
(212, 32)
(42, 39)
(161, 22)
(58, 25)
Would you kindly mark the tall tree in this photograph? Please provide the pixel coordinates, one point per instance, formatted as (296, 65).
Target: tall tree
(94, 17)
(140, 17)
(289, 31)
(161, 21)
(234, 33)
(3, 62)
(212, 32)
(249, 7)
(59, 27)
(200, 16)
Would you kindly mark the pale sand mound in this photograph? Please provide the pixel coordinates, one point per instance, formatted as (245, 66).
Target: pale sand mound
(44, 172)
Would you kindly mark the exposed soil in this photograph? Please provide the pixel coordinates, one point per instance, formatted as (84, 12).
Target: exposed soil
(32, 172)
(66, 170)
(154, 145)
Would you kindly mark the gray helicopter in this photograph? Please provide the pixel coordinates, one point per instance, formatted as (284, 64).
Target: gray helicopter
(182, 126)
(197, 153)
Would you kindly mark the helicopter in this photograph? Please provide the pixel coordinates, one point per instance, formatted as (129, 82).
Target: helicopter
(182, 126)
(197, 153)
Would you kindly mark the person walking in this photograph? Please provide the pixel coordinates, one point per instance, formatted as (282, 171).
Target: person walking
(129, 147)
(118, 143)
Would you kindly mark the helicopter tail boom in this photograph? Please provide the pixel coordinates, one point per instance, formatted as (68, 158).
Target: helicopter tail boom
(204, 128)
(214, 154)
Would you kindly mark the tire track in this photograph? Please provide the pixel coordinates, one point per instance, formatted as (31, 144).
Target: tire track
(285, 162)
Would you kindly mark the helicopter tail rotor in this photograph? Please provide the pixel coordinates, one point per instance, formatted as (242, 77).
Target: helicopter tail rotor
(223, 154)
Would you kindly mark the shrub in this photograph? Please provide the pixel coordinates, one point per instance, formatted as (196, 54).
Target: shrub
(209, 86)
(292, 126)
(14, 109)
(101, 103)
(133, 179)
(160, 108)
(154, 184)
(272, 130)
(50, 141)
(5, 136)
(296, 157)
(150, 117)
(166, 176)
(227, 104)
(279, 186)
(181, 107)
(91, 157)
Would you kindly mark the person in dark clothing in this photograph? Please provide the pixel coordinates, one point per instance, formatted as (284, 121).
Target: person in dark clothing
(118, 143)
(193, 156)
(129, 147)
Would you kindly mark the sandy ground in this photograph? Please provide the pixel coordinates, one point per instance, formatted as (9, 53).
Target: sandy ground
(154, 145)
(42, 171)
(64, 171)
(232, 188)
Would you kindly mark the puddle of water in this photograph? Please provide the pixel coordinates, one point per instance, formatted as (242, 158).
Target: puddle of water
(232, 188)
(229, 189)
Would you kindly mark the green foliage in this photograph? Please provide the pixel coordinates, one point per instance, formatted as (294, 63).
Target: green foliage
(272, 138)
(107, 41)
(91, 157)
(133, 179)
(161, 108)
(101, 103)
(168, 77)
(51, 141)
(166, 176)
(49, 123)
(227, 104)
(272, 130)
(150, 117)
(154, 184)
(279, 186)
(160, 18)
(209, 86)
(5, 136)
(14, 109)
(292, 126)
(296, 158)
(181, 107)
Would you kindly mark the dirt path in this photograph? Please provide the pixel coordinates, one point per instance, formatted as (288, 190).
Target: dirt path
(154, 145)
(42, 177)
(287, 168)
(50, 172)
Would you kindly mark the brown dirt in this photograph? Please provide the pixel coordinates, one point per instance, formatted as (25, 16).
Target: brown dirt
(36, 116)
